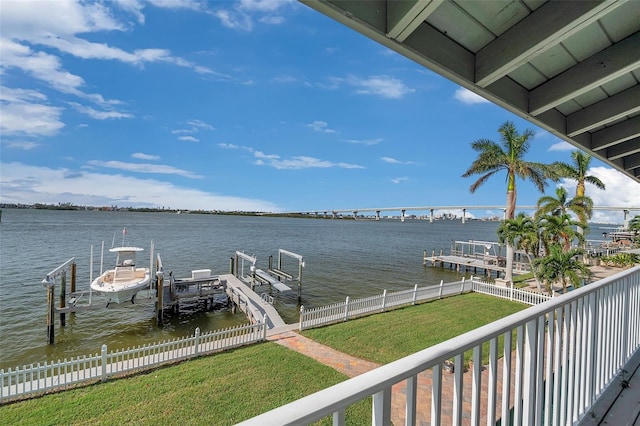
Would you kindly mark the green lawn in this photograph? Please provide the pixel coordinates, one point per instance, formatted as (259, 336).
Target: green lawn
(223, 389)
(395, 334)
(229, 387)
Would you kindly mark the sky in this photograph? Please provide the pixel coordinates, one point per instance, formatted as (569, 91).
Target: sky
(252, 105)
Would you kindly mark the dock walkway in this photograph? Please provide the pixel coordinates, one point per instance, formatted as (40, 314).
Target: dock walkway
(251, 303)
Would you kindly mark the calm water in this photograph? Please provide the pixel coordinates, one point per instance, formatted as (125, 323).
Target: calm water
(343, 258)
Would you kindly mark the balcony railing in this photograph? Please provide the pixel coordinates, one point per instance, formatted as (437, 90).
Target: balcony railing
(545, 365)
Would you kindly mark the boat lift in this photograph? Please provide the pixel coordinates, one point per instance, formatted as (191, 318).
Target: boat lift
(274, 276)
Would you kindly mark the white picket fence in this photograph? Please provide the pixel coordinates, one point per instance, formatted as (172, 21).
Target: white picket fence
(55, 375)
(515, 294)
(343, 311)
(349, 309)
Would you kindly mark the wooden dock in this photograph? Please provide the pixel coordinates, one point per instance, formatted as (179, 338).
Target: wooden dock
(250, 302)
(473, 256)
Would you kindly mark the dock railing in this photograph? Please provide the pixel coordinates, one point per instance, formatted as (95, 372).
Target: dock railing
(43, 377)
(558, 358)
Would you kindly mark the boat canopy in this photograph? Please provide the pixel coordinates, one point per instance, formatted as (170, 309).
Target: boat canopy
(125, 249)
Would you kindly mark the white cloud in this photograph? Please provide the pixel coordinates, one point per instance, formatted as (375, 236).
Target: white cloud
(243, 14)
(99, 115)
(144, 168)
(177, 4)
(399, 179)
(293, 163)
(142, 156)
(194, 127)
(381, 85)
(364, 141)
(320, 126)
(395, 161)
(198, 124)
(23, 183)
(59, 23)
(25, 145)
(562, 146)
(468, 97)
(188, 139)
(303, 162)
(21, 116)
(228, 146)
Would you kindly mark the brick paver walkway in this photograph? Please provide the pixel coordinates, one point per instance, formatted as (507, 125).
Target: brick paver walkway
(352, 366)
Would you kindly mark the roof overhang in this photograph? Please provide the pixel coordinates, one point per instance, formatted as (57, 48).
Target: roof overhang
(570, 67)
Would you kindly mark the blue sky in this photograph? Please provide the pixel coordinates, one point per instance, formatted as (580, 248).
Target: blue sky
(249, 105)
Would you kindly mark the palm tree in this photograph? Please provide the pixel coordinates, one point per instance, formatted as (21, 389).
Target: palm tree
(561, 266)
(578, 172)
(508, 156)
(559, 229)
(522, 233)
(634, 224)
(580, 205)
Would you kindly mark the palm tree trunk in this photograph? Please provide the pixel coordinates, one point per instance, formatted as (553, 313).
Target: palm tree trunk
(508, 270)
(534, 275)
(510, 214)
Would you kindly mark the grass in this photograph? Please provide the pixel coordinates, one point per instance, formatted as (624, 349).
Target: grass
(387, 337)
(232, 386)
(223, 389)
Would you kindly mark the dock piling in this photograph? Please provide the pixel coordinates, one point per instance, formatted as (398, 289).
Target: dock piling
(159, 293)
(63, 297)
(50, 313)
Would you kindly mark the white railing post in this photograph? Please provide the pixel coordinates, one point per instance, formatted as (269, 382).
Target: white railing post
(415, 294)
(196, 343)
(381, 408)
(440, 292)
(346, 309)
(104, 363)
(462, 286)
(384, 299)
(511, 292)
(300, 324)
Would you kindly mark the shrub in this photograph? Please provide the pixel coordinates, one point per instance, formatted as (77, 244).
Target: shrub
(621, 260)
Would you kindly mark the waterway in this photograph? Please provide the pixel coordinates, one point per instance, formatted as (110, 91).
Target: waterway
(342, 258)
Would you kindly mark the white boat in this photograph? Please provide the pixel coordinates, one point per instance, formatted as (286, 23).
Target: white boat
(124, 281)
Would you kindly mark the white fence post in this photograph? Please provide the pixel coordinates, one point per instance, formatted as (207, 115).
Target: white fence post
(440, 293)
(196, 343)
(104, 363)
(265, 327)
(300, 327)
(462, 286)
(415, 294)
(346, 308)
(384, 299)
(511, 292)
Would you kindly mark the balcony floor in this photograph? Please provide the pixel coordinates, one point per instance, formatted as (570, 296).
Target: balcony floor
(620, 403)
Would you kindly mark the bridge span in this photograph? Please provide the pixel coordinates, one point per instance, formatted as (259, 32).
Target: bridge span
(432, 209)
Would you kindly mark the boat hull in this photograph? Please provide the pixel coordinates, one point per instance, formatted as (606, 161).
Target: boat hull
(121, 291)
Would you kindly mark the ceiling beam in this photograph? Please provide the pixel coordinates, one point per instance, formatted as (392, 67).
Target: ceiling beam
(616, 134)
(606, 111)
(604, 66)
(632, 162)
(623, 149)
(403, 17)
(546, 27)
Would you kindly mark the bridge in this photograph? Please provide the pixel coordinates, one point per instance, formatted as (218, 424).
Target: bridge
(431, 209)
